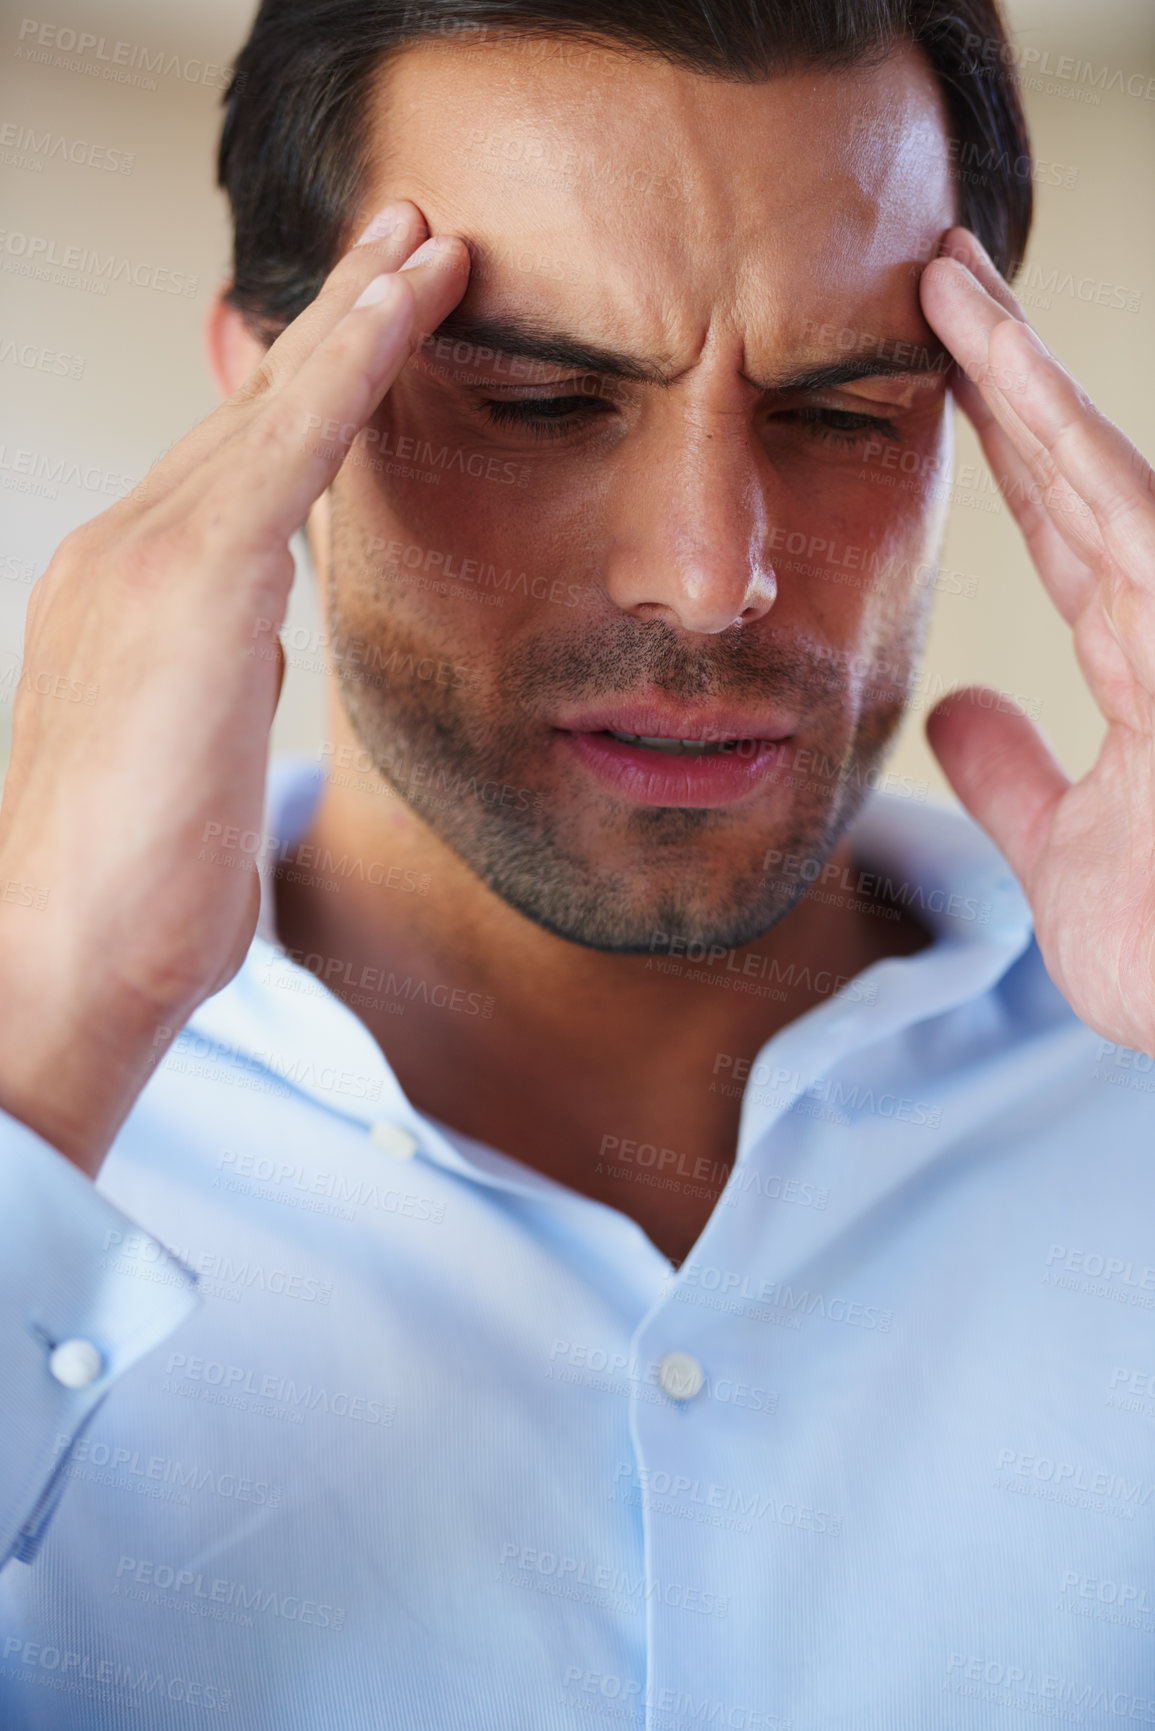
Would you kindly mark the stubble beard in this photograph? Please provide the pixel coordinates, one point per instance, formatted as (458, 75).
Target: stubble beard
(470, 767)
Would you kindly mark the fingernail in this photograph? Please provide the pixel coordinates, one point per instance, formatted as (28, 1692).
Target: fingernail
(958, 251)
(377, 291)
(427, 251)
(384, 223)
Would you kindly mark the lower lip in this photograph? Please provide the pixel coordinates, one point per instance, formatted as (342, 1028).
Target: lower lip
(662, 778)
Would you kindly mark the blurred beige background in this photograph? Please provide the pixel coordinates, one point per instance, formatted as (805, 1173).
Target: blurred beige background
(94, 386)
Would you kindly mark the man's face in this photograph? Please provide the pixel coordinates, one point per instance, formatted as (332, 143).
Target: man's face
(701, 532)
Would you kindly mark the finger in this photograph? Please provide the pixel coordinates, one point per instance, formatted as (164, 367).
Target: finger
(1002, 769)
(1105, 489)
(266, 481)
(966, 317)
(966, 249)
(1069, 580)
(964, 313)
(1084, 449)
(387, 241)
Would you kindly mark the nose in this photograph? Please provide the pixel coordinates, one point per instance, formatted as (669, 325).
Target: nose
(690, 537)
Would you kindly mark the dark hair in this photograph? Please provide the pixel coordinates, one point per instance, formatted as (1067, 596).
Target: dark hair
(294, 145)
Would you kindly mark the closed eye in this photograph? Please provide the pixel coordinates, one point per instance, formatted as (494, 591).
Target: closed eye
(544, 417)
(556, 417)
(839, 426)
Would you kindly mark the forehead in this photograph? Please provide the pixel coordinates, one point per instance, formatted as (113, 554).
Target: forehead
(651, 204)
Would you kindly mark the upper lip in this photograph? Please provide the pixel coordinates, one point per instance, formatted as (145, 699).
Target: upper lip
(665, 721)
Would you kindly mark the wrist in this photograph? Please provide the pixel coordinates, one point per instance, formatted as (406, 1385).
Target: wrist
(75, 1049)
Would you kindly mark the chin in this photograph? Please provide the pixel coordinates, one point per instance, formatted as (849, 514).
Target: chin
(624, 914)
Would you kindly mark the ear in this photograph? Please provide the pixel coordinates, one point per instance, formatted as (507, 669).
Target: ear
(233, 351)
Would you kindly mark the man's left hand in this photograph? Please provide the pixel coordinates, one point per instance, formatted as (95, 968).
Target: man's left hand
(1084, 499)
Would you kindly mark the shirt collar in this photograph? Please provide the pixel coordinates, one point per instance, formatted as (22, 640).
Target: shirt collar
(278, 1016)
(932, 859)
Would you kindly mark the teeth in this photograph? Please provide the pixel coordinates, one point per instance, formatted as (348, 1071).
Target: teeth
(677, 747)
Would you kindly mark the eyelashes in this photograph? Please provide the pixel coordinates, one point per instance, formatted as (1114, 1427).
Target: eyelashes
(557, 417)
(544, 417)
(842, 426)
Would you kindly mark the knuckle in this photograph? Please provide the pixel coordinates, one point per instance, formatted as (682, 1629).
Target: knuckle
(345, 350)
(75, 549)
(273, 436)
(74, 557)
(350, 275)
(260, 383)
(351, 268)
(355, 272)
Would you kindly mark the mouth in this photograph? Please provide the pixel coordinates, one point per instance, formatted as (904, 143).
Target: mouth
(666, 758)
(686, 747)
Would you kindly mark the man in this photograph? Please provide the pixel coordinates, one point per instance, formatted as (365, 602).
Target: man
(669, 1251)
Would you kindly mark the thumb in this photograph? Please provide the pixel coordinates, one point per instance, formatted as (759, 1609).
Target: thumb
(1002, 769)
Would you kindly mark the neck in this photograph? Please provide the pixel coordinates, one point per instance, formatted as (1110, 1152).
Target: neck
(594, 1068)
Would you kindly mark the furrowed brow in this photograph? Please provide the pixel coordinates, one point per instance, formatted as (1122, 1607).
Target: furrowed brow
(522, 340)
(923, 362)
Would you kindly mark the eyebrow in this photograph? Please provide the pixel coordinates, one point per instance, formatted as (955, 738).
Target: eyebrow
(524, 339)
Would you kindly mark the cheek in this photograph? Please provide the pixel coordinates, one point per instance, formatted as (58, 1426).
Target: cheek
(851, 542)
(439, 550)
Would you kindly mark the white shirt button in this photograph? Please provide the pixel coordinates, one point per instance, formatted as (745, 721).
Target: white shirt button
(75, 1363)
(394, 1140)
(681, 1376)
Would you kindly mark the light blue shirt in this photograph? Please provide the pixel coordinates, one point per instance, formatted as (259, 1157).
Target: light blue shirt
(441, 1443)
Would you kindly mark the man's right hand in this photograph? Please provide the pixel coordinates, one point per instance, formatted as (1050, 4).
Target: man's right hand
(142, 718)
